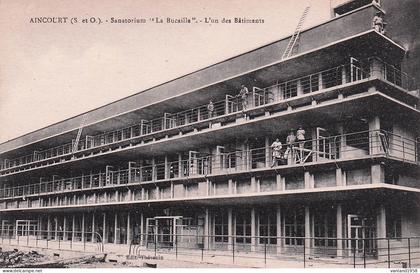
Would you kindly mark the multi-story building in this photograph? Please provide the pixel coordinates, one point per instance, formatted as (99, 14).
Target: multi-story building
(164, 162)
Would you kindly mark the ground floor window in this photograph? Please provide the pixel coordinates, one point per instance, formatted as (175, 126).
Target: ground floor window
(294, 226)
(325, 226)
(243, 228)
(393, 224)
(221, 227)
(268, 227)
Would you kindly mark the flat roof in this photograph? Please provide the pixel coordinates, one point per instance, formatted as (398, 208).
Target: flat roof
(316, 36)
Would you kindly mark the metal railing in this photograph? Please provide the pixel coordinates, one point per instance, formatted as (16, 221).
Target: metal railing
(326, 149)
(53, 239)
(347, 73)
(280, 250)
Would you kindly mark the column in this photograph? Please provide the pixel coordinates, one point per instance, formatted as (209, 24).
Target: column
(93, 228)
(104, 238)
(55, 227)
(65, 235)
(377, 173)
(230, 228)
(376, 69)
(231, 186)
(299, 88)
(339, 219)
(48, 227)
(309, 180)
(374, 140)
(254, 187)
(253, 230)
(128, 229)
(267, 152)
(339, 177)
(321, 82)
(279, 229)
(381, 230)
(166, 167)
(83, 227)
(179, 165)
(142, 235)
(73, 227)
(206, 229)
(307, 230)
(115, 227)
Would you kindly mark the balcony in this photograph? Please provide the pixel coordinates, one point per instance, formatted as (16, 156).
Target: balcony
(325, 84)
(324, 150)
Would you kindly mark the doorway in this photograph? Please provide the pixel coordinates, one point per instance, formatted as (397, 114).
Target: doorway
(362, 232)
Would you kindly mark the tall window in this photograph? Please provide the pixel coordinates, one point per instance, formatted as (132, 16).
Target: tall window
(393, 224)
(268, 227)
(294, 226)
(243, 228)
(221, 227)
(325, 226)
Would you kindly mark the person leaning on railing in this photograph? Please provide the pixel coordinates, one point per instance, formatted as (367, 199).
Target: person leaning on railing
(290, 141)
(243, 95)
(210, 109)
(276, 146)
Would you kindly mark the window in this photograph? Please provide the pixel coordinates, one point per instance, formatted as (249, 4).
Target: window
(243, 228)
(294, 226)
(221, 227)
(393, 224)
(325, 226)
(268, 227)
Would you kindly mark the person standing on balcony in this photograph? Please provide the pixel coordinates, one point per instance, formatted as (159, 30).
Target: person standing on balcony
(276, 147)
(290, 141)
(210, 109)
(378, 22)
(300, 136)
(243, 95)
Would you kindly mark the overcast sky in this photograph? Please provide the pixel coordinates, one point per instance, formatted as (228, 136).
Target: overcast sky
(49, 72)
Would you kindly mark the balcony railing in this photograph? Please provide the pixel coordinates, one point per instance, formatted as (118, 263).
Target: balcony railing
(343, 74)
(324, 149)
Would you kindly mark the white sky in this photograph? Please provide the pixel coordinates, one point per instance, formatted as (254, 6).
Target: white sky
(49, 72)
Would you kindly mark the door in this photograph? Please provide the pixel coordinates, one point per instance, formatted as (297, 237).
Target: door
(362, 231)
(325, 144)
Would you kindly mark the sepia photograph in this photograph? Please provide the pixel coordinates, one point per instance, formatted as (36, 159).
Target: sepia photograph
(196, 135)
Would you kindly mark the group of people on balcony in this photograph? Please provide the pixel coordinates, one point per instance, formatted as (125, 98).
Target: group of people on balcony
(242, 96)
(277, 147)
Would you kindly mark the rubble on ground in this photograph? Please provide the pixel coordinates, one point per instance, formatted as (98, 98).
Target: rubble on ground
(15, 257)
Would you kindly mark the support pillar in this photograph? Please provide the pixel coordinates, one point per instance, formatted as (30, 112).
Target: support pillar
(48, 227)
(142, 235)
(230, 228)
(206, 229)
(377, 173)
(381, 230)
(73, 227)
(65, 236)
(309, 180)
(55, 228)
(254, 187)
(231, 186)
(115, 227)
(279, 230)
(374, 139)
(83, 227)
(253, 230)
(339, 177)
(93, 228)
(339, 220)
(104, 237)
(128, 229)
(267, 152)
(307, 230)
